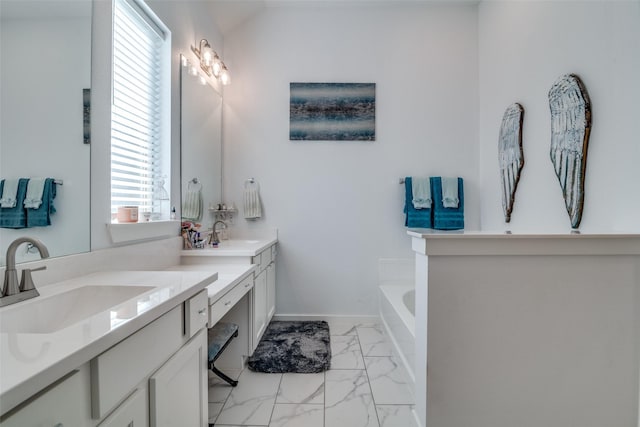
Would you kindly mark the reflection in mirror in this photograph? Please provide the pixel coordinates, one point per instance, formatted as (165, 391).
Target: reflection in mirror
(201, 147)
(45, 63)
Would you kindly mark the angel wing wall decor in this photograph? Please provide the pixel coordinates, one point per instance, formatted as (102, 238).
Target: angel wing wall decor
(510, 155)
(570, 128)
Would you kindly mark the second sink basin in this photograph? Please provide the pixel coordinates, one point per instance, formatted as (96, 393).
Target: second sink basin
(238, 242)
(43, 315)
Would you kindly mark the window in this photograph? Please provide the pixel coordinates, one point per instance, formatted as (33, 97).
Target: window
(140, 111)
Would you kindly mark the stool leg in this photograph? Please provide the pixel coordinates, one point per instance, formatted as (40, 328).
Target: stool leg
(215, 370)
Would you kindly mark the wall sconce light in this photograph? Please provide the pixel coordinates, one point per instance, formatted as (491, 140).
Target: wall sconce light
(225, 77)
(211, 63)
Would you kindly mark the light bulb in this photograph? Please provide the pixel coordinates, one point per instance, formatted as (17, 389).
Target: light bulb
(225, 77)
(193, 71)
(202, 80)
(216, 66)
(207, 56)
(185, 62)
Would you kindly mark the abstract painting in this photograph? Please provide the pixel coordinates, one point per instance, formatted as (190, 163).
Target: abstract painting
(570, 128)
(332, 112)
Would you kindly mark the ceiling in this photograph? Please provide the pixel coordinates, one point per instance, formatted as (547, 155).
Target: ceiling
(20, 9)
(228, 14)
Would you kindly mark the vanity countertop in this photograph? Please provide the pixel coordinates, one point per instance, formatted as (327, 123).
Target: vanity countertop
(463, 243)
(34, 355)
(229, 275)
(233, 247)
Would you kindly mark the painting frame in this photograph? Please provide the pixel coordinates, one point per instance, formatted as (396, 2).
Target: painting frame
(332, 111)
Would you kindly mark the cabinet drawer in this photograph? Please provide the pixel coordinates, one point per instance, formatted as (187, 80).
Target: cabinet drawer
(262, 260)
(224, 304)
(266, 257)
(257, 260)
(65, 403)
(195, 313)
(132, 413)
(117, 371)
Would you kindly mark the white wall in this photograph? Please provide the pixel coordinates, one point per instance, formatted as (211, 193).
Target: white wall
(338, 205)
(523, 48)
(41, 130)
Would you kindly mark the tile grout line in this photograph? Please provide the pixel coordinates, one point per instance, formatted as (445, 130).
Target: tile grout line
(273, 408)
(324, 396)
(366, 372)
(227, 398)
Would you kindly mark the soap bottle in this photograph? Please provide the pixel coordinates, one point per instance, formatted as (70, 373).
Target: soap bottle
(173, 212)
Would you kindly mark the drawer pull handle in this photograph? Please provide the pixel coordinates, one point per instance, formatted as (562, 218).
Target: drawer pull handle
(228, 303)
(59, 425)
(248, 285)
(203, 311)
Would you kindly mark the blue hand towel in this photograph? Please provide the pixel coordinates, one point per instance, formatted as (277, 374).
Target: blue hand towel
(41, 217)
(414, 218)
(447, 218)
(421, 189)
(15, 217)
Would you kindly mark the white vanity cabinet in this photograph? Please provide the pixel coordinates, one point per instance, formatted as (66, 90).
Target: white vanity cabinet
(63, 404)
(164, 364)
(259, 303)
(155, 377)
(131, 413)
(174, 399)
(264, 294)
(262, 300)
(271, 289)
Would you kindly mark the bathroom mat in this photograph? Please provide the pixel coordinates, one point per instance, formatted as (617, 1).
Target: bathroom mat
(293, 346)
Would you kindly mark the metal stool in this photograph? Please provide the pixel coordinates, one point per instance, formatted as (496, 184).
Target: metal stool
(219, 338)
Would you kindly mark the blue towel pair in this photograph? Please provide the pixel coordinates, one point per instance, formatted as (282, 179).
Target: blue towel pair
(19, 217)
(447, 218)
(437, 217)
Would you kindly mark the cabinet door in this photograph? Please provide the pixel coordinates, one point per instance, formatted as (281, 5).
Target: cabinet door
(271, 291)
(178, 390)
(259, 307)
(131, 413)
(65, 404)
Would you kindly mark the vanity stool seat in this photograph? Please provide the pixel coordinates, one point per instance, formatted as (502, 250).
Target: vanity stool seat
(219, 338)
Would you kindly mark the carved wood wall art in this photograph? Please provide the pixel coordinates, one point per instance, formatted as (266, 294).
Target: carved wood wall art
(510, 155)
(570, 129)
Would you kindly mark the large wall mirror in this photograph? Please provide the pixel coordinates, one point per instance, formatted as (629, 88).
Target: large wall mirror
(201, 145)
(45, 63)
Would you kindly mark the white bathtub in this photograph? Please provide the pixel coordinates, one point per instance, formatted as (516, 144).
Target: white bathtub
(397, 311)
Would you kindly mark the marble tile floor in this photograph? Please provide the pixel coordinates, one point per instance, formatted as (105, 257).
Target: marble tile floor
(365, 387)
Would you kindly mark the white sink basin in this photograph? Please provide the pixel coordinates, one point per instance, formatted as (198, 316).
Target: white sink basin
(43, 315)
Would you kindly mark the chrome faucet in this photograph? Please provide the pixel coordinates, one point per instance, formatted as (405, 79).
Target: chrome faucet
(214, 234)
(11, 291)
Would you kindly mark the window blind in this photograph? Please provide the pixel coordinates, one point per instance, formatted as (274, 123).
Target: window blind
(136, 110)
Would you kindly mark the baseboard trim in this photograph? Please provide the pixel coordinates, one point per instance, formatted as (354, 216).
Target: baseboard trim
(340, 318)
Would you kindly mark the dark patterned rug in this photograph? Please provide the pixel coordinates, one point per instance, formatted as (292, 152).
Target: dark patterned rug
(293, 346)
